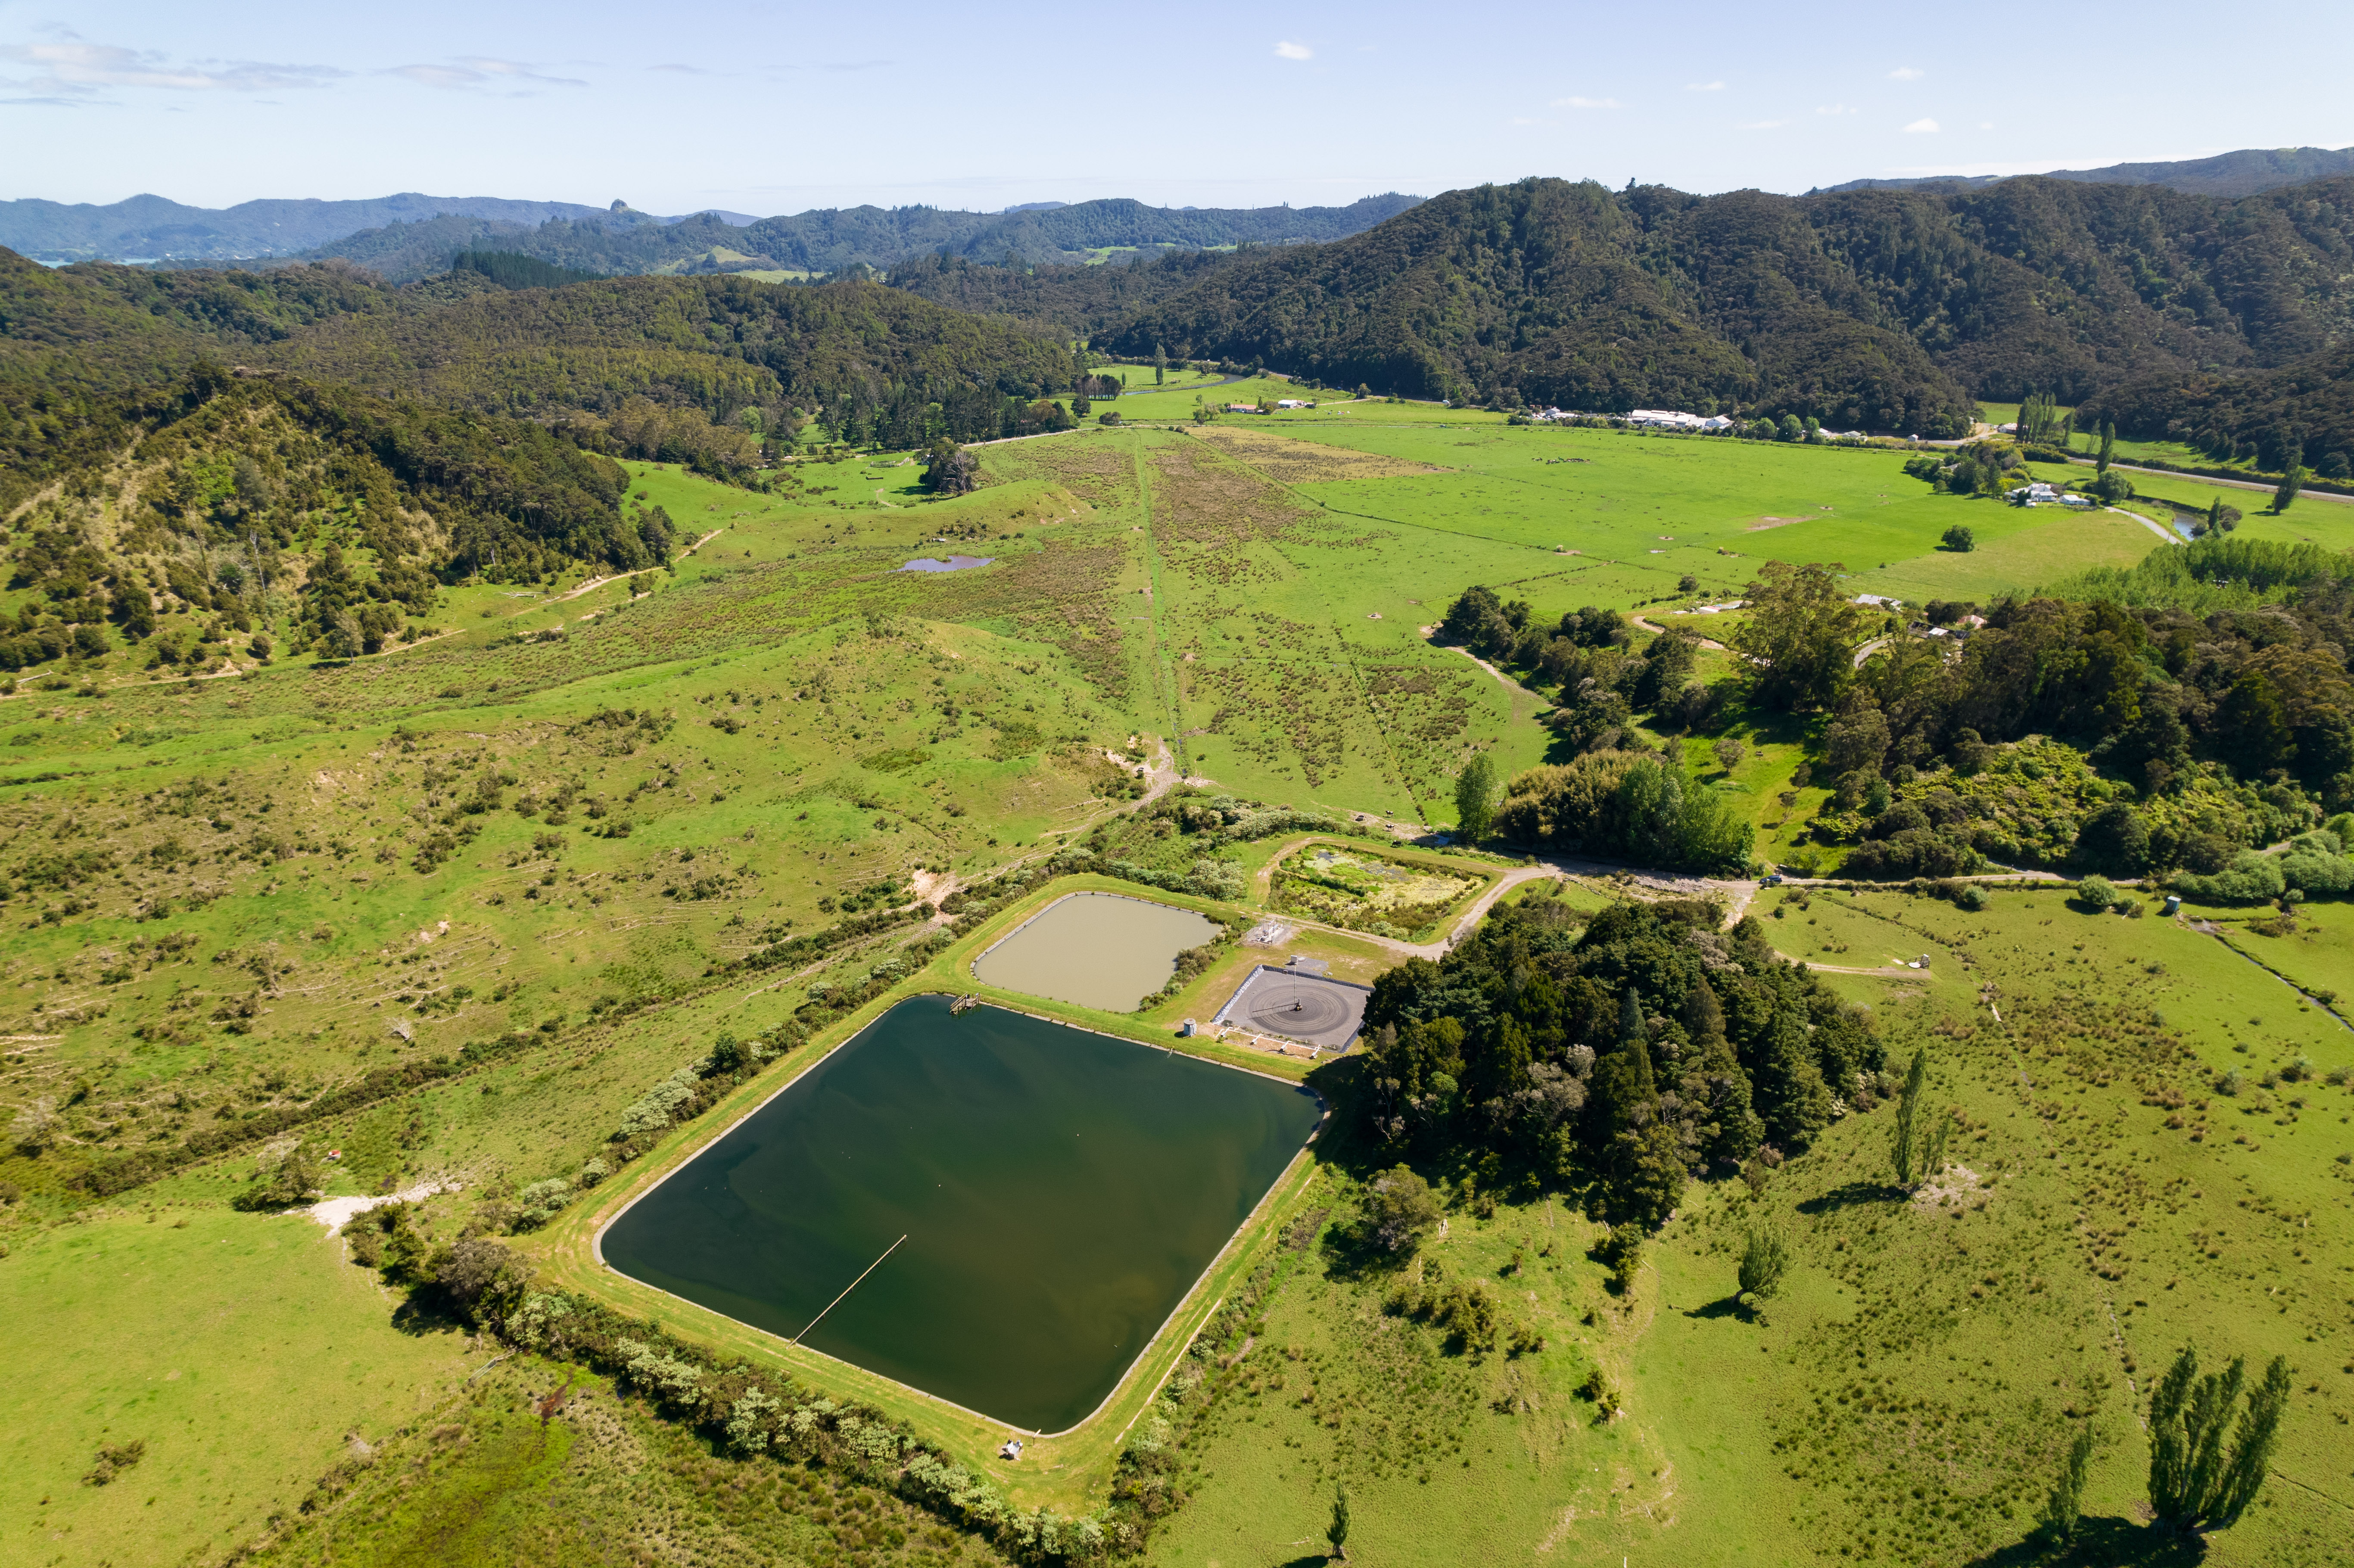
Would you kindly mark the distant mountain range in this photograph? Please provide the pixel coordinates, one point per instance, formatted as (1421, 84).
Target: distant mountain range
(150, 227)
(829, 240)
(411, 235)
(2244, 172)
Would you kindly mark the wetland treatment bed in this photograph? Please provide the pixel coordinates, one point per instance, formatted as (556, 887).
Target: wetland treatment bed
(1060, 1191)
(1106, 950)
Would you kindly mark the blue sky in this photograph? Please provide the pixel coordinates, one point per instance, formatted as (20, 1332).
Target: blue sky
(766, 108)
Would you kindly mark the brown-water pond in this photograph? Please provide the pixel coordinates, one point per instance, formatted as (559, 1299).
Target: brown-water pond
(1103, 950)
(1060, 1191)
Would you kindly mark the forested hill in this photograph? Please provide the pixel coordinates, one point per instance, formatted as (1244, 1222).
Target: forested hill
(1073, 299)
(2242, 173)
(1887, 310)
(717, 344)
(829, 239)
(679, 367)
(2303, 412)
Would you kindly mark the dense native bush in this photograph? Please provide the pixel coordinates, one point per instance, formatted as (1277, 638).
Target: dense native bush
(1629, 806)
(1621, 1054)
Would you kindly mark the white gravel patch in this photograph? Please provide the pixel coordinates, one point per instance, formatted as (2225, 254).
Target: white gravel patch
(337, 1213)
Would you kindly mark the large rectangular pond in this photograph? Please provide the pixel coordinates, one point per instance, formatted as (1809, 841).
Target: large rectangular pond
(1059, 1190)
(1103, 950)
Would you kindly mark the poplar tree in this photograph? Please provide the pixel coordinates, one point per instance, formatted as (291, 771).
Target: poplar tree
(1920, 1141)
(2292, 482)
(1475, 798)
(1337, 1532)
(1764, 1260)
(2203, 1471)
(2108, 445)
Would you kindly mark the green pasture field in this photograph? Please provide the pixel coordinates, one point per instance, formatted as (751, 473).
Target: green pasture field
(1332, 405)
(1138, 380)
(245, 897)
(242, 1350)
(2017, 550)
(1658, 508)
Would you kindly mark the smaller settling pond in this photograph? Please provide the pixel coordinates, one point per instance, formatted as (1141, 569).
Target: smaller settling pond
(1059, 1191)
(1095, 949)
(953, 564)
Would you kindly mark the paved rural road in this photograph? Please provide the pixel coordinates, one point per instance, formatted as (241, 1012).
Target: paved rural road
(2203, 479)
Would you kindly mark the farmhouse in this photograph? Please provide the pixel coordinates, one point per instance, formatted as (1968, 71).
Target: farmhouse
(1675, 419)
(2040, 493)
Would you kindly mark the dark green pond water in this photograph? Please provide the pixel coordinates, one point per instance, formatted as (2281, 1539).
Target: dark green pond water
(1060, 1193)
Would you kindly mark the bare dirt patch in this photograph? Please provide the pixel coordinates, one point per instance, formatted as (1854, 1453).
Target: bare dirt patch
(1293, 461)
(1957, 1185)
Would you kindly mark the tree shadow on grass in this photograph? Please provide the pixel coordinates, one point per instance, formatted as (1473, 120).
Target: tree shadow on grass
(2105, 1541)
(1850, 1194)
(1723, 1307)
(427, 1310)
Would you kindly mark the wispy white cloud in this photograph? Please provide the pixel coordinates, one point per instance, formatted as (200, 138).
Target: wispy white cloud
(853, 65)
(476, 70)
(1703, 87)
(1289, 52)
(72, 66)
(1908, 73)
(680, 69)
(1833, 108)
(1588, 103)
(1921, 127)
(1763, 125)
(1986, 124)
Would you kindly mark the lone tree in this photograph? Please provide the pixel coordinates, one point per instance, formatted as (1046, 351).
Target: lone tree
(1475, 798)
(949, 469)
(1337, 1532)
(2292, 482)
(2096, 892)
(2065, 1505)
(1799, 638)
(1729, 753)
(2201, 1475)
(1764, 1261)
(1960, 540)
(1920, 1141)
(2108, 446)
(1400, 1208)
